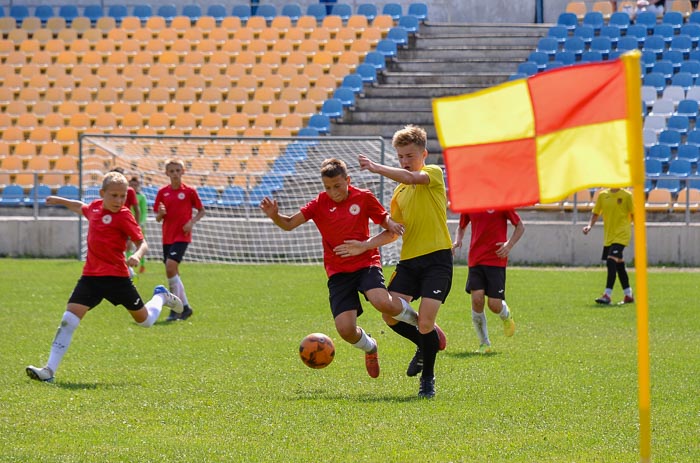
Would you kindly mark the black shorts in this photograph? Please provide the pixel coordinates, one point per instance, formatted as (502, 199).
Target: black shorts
(118, 290)
(343, 289)
(490, 278)
(427, 276)
(175, 251)
(614, 250)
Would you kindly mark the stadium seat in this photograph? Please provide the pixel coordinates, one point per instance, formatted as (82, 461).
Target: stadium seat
(387, 48)
(142, 11)
(672, 138)
(548, 45)
(267, 11)
(217, 11)
(37, 196)
(19, 12)
(368, 72)
(690, 153)
(558, 32)
(688, 108)
(118, 12)
(653, 167)
(369, 10)
(692, 31)
(321, 123)
(419, 10)
(68, 12)
(661, 153)
(317, 11)
(44, 12)
(528, 68)
(346, 96)
(646, 19)
(93, 13)
(410, 23)
(68, 192)
(620, 20)
(395, 10)
(12, 195)
(344, 10)
(656, 80)
(376, 59)
(167, 11)
(659, 199)
(568, 20)
(192, 11)
(399, 35)
(332, 108)
(208, 195)
(594, 20)
(232, 196)
(353, 82)
(292, 10)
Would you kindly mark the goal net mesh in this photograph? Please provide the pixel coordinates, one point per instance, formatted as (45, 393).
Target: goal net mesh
(231, 176)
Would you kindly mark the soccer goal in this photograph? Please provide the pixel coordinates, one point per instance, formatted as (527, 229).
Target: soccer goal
(232, 175)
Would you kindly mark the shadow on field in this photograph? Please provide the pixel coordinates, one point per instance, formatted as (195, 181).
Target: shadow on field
(468, 354)
(324, 394)
(89, 386)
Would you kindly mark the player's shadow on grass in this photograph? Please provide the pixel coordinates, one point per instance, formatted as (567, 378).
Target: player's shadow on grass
(324, 394)
(469, 354)
(72, 386)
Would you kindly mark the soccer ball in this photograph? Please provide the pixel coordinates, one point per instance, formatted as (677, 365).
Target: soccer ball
(317, 350)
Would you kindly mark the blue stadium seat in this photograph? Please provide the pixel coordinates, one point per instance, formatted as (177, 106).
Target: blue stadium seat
(2, 11)
(41, 191)
(343, 10)
(93, 12)
(92, 193)
(410, 23)
(149, 191)
(376, 59)
(692, 31)
(671, 184)
(688, 108)
(399, 35)
(387, 47)
(682, 43)
(257, 193)
(593, 19)
(585, 33)
(674, 56)
(661, 153)
(553, 65)
(233, 195)
(558, 32)
(664, 67)
(12, 195)
(692, 67)
(542, 58)
(368, 72)
(267, 11)
(192, 11)
(517, 76)
(118, 12)
(565, 57)
(665, 31)
(345, 95)
(369, 10)
(529, 68)
(679, 167)
(612, 33)
(575, 45)
(672, 138)
(646, 19)
(167, 11)
(602, 45)
(395, 10)
(316, 10)
(244, 12)
(591, 56)
(208, 195)
(548, 45)
(68, 192)
(19, 12)
(68, 12)
(354, 82)
(320, 122)
(656, 80)
(639, 31)
(693, 137)
(419, 10)
(44, 12)
(217, 11)
(620, 20)
(678, 123)
(332, 108)
(653, 167)
(142, 11)
(308, 132)
(683, 79)
(673, 19)
(284, 165)
(694, 17)
(568, 20)
(292, 10)
(655, 44)
(690, 153)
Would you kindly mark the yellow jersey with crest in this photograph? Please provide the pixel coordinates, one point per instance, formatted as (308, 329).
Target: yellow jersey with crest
(422, 209)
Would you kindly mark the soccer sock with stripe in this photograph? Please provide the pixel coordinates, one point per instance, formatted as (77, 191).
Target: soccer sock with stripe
(409, 332)
(479, 322)
(62, 340)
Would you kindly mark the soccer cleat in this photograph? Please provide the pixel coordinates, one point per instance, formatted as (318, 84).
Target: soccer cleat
(416, 364)
(169, 299)
(172, 316)
(441, 338)
(509, 325)
(604, 299)
(427, 388)
(40, 374)
(485, 349)
(626, 300)
(186, 313)
(372, 364)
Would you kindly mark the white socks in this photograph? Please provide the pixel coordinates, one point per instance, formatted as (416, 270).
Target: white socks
(177, 288)
(154, 307)
(407, 315)
(365, 343)
(62, 340)
(504, 313)
(479, 322)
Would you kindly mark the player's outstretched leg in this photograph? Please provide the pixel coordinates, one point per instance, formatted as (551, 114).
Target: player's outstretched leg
(169, 299)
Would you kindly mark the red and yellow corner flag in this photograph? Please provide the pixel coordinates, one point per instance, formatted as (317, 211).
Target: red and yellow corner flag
(542, 138)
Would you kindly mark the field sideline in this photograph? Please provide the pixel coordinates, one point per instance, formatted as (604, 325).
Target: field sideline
(228, 386)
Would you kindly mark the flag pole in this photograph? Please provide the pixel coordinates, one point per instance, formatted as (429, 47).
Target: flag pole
(636, 158)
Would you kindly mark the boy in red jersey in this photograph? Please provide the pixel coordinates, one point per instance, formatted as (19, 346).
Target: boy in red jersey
(342, 213)
(488, 257)
(105, 274)
(173, 206)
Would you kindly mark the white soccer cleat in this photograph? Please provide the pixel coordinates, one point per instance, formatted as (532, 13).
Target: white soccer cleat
(169, 299)
(40, 374)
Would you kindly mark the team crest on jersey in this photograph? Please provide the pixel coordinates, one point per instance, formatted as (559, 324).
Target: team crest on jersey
(354, 209)
(490, 211)
(106, 219)
(181, 196)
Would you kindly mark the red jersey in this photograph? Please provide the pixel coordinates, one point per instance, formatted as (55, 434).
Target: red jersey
(106, 240)
(178, 206)
(131, 199)
(347, 220)
(488, 228)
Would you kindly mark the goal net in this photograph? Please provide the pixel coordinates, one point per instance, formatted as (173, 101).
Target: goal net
(231, 176)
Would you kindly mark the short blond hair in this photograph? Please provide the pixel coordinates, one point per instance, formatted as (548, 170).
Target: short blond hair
(410, 135)
(113, 178)
(178, 162)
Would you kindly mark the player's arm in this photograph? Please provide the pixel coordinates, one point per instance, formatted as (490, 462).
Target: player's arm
(459, 237)
(71, 204)
(139, 253)
(355, 247)
(285, 222)
(198, 216)
(504, 248)
(395, 173)
(591, 222)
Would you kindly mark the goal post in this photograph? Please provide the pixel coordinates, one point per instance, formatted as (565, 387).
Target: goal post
(232, 175)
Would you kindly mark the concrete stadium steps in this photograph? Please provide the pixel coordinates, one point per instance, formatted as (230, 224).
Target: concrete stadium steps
(441, 60)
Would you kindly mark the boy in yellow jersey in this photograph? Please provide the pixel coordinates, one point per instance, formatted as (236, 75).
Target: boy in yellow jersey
(615, 205)
(424, 271)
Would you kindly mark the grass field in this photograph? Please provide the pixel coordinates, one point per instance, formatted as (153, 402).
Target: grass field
(228, 386)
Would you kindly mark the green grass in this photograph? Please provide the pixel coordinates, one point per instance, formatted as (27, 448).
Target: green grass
(228, 386)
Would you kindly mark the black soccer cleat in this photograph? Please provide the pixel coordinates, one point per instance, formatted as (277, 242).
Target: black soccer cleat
(416, 364)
